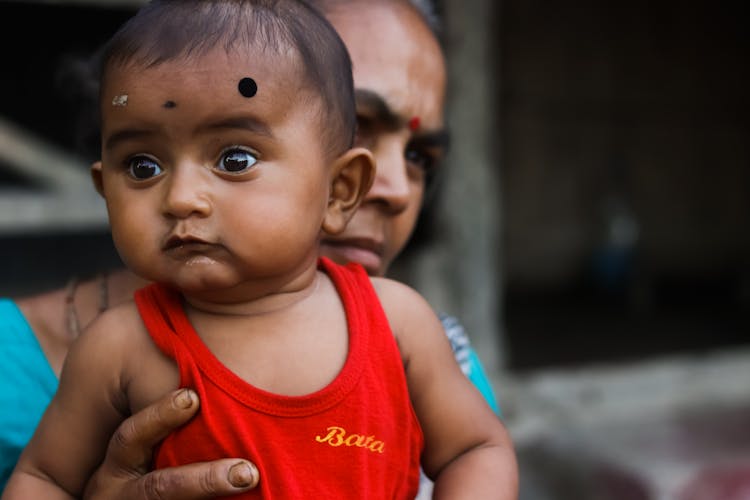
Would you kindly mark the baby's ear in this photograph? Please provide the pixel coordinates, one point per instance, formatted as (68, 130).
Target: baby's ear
(96, 176)
(352, 175)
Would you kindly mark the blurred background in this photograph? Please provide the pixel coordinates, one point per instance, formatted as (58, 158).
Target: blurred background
(592, 228)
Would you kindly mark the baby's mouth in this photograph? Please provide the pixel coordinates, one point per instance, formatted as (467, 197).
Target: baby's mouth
(185, 242)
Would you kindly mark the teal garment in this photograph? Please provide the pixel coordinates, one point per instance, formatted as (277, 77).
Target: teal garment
(27, 384)
(468, 360)
(479, 379)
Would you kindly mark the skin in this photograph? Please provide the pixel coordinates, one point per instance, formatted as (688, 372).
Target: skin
(389, 215)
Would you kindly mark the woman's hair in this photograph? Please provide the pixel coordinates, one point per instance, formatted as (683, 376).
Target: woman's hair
(429, 13)
(426, 8)
(77, 80)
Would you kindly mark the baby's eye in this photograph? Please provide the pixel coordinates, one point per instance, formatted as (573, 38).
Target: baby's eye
(143, 168)
(236, 161)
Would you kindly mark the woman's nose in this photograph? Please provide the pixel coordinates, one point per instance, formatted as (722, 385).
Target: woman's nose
(392, 184)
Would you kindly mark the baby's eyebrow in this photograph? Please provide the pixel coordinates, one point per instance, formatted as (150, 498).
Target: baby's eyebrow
(242, 122)
(124, 135)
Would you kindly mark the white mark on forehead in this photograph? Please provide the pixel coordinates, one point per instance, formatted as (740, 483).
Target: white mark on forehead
(120, 100)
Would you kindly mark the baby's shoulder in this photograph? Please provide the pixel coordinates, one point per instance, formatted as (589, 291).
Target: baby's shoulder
(406, 309)
(119, 324)
(396, 295)
(114, 358)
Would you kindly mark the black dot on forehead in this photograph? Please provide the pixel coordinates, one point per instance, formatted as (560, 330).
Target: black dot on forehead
(170, 104)
(247, 87)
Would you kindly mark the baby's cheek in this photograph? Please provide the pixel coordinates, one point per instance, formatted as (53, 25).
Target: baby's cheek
(132, 244)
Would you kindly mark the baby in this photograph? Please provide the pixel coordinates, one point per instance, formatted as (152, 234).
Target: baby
(227, 128)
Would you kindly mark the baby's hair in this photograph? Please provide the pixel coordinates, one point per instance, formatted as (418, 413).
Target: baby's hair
(165, 30)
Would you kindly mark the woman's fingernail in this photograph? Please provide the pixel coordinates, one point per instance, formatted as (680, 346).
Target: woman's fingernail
(184, 399)
(243, 475)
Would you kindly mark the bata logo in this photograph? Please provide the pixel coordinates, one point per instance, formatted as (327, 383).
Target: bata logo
(337, 436)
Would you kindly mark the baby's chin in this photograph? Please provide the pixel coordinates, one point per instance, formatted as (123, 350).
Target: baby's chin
(207, 281)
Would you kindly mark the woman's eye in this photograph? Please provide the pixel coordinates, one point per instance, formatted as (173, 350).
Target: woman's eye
(142, 168)
(237, 161)
(363, 135)
(419, 158)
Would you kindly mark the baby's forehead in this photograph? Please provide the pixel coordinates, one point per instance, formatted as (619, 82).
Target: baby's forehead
(212, 84)
(267, 68)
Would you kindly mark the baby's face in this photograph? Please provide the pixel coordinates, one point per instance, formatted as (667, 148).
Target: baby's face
(213, 170)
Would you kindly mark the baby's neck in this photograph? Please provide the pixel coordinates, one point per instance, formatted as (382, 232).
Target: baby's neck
(236, 303)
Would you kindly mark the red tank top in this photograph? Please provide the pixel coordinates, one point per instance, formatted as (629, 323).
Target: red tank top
(356, 438)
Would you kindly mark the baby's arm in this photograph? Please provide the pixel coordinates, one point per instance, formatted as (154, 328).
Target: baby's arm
(72, 436)
(468, 452)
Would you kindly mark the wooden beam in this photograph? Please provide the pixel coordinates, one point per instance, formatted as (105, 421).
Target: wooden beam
(22, 212)
(34, 158)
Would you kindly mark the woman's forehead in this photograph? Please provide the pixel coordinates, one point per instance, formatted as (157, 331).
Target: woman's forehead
(395, 55)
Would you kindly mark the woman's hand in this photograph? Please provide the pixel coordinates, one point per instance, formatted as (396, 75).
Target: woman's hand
(124, 473)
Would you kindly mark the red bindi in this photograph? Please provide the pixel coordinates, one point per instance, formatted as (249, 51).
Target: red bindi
(414, 123)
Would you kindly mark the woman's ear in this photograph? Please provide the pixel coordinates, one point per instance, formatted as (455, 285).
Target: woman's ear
(352, 175)
(96, 176)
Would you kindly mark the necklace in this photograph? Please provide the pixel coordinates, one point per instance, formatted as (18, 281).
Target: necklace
(72, 324)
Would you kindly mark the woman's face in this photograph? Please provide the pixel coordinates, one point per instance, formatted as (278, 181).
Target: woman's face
(399, 79)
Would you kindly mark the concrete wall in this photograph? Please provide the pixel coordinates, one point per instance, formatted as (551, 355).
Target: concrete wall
(459, 272)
